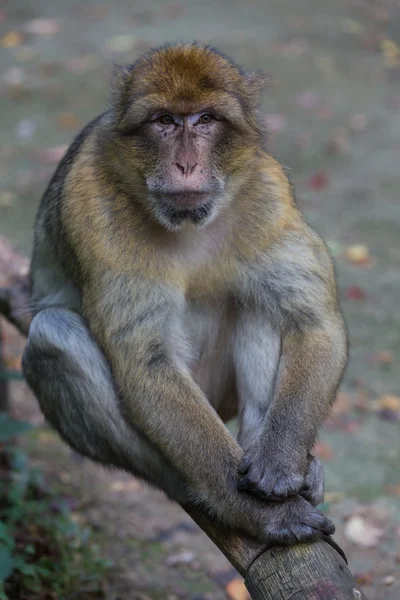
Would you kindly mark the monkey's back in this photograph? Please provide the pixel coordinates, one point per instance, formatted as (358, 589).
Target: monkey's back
(53, 268)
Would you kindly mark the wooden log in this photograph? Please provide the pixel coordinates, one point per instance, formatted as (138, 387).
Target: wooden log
(314, 571)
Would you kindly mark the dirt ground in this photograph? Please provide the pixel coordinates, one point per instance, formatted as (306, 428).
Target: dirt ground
(333, 110)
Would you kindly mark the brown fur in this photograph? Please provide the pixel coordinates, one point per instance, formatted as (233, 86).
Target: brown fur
(237, 310)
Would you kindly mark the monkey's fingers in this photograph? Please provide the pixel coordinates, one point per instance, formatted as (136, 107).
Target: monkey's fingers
(314, 482)
(295, 520)
(271, 483)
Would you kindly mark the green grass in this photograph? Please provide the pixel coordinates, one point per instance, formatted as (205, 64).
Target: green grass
(44, 554)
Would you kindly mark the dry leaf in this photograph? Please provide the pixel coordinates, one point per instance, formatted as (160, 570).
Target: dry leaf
(52, 155)
(275, 121)
(68, 121)
(358, 122)
(342, 404)
(6, 198)
(381, 358)
(121, 43)
(387, 402)
(125, 486)
(308, 100)
(182, 558)
(318, 181)
(364, 578)
(391, 53)
(351, 26)
(354, 292)
(42, 26)
(393, 490)
(12, 39)
(323, 451)
(362, 533)
(358, 254)
(236, 590)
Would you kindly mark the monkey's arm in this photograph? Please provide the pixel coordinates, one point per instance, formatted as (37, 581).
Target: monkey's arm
(136, 325)
(300, 291)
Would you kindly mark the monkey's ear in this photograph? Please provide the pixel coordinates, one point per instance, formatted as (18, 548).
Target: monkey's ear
(256, 83)
(119, 89)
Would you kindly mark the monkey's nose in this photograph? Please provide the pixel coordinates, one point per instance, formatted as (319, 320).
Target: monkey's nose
(186, 169)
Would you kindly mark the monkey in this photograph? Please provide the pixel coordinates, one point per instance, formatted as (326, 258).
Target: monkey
(176, 285)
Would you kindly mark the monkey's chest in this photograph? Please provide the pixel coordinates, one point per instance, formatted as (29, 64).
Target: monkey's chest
(209, 332)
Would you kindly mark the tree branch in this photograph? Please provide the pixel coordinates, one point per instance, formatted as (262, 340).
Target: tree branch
(306, 572)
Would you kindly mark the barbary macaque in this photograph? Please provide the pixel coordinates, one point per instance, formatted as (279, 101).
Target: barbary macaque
(175, 285)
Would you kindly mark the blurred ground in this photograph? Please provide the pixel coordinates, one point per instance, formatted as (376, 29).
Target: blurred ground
(334, 114)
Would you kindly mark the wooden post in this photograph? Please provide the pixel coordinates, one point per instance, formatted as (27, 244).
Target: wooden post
(303, 572)
(314, 571)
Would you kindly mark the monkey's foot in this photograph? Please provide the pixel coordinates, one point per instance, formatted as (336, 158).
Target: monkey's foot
(269, 481)
(277, 483)
(294, 521)
(314, 482)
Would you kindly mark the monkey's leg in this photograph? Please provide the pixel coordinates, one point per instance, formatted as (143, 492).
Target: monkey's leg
(73, 383)
(309, 373)
(257, 355)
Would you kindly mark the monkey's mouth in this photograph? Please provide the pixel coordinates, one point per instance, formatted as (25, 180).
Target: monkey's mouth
(184, 200)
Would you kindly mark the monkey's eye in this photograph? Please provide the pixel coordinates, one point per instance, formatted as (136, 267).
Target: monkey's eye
(166, 120)
(205, 119)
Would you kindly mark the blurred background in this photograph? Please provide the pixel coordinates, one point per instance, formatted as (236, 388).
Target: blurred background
(68, 529)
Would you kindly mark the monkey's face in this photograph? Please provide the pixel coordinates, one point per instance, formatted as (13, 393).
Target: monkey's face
(186, 132)
(186, 181)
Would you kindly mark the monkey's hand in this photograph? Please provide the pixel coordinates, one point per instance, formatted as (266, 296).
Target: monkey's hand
(293, 521)
(276, 480)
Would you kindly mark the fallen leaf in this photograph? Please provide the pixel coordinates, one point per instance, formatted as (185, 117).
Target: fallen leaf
(275, 121)
(391, 53)
(236, 590)
(26, 128)
(358, 121)
(6, 198)
(14, 76)
(387, 402)
(351, 26)
(52, 155)
(82, 64)
(308, 100)
(68, 121)
(393, 490)
(381, 358)
(342, 404)
(333, 497)
(12, 39)
(42, 26)
(362, 533)
(324, 112)
(339, 144)
(364, 578)
(358, 254)
(121, 43)
(387, 414)
(323, 451)
(174, 11)
(125, 486)
(182, 558)
(318, 181)
(354, 292)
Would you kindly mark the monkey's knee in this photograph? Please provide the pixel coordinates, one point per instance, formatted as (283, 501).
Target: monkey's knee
(73, 383)
(71, 380)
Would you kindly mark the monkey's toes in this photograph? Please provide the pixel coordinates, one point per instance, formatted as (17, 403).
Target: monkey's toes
(296, 521)
(314, 482)
(271, 484)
